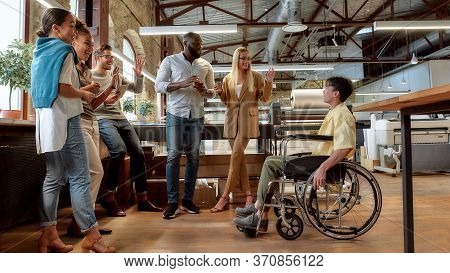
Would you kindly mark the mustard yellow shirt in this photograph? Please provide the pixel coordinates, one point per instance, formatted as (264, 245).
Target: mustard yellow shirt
(339, 123)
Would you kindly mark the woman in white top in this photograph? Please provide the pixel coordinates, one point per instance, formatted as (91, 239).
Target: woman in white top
(83, 44)
(241, 91)
(57, 99)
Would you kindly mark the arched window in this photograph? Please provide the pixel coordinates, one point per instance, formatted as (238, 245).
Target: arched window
(13, 13)
(74, 7)
(128, 71)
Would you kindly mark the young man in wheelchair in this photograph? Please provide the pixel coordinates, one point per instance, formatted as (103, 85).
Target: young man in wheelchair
(338, 123)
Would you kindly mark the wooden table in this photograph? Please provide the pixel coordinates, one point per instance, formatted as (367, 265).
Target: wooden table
(430, 101)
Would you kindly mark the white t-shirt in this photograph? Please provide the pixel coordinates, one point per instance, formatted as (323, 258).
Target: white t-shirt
(184, 102)
(51, 123)
(238, 89)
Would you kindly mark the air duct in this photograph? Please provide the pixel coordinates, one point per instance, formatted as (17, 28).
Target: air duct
(288, 10)
(294, 18)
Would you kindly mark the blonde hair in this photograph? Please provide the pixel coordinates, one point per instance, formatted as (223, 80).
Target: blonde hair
(234, 74)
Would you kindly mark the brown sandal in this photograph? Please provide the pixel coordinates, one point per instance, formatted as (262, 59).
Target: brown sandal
(216, 209)
(97, 246)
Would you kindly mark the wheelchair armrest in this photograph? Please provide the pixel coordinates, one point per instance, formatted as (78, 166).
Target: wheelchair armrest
(301, 154)
(310, 137)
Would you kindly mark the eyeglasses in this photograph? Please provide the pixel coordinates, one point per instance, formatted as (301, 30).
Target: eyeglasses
(108, 57)
(245, 59)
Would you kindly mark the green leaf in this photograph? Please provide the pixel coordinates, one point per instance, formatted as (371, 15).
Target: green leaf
(128, 105)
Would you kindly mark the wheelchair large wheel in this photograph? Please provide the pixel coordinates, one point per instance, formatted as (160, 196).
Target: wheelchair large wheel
(347, 206)
(289, 211)
(294, 231)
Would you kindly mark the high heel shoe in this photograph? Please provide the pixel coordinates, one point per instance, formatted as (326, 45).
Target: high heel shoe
(45, 245)
(218, 209)
(97, 246)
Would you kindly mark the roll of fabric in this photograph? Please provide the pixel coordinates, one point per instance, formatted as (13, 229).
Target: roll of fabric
(308, 99)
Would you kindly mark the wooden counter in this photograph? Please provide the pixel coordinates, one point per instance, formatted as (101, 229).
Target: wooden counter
(22, 171)
(418, 100)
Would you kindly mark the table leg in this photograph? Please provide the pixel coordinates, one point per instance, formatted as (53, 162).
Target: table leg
(407, 186)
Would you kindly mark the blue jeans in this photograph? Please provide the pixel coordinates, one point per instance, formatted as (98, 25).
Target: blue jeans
(183, 135)
(120, 137)
(68, 164)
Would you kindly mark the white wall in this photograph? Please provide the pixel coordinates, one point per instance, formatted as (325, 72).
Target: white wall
(439, 72)
(418, 77)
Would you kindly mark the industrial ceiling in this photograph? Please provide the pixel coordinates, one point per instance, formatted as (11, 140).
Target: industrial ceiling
(359, 53)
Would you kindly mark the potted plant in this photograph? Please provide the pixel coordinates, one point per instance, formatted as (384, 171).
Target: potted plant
(15, 69)
(128, 108)
(144, 108)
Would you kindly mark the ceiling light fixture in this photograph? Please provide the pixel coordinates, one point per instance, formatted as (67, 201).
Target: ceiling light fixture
(294, 17)
(403, 78)
(51, 4)
(414, 59)
(280, 67)
(172, 30)
(389, 84)
(334, 41)
(292, 27)
(399, 25)
(334, 36)
(119, 55)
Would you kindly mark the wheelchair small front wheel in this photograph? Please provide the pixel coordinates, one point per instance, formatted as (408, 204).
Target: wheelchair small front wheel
(294, 231)
(289, 211)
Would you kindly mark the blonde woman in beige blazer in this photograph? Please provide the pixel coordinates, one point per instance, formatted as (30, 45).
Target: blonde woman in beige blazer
(240, 91)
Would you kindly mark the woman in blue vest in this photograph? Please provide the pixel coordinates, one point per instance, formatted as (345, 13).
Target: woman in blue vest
(57, 99)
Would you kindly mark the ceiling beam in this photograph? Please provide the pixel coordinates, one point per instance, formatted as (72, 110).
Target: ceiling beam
(216, 46)
(169, 20)
(374, 14)
(439, 13)
(358, 10)
(323, 3)
(259, 52)
(229, 13)
(336, 61)
(184, 3)
(351, 38)
(441, 5)
(267, 11)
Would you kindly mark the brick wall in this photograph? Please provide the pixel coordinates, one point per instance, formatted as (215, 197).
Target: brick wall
(126, 17)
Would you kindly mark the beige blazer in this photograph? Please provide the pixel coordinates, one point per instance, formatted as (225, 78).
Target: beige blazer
(242, 112)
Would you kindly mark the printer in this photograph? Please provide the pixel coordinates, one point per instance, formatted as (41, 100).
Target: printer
(429, 138)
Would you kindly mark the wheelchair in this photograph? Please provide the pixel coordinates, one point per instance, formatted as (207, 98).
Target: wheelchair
(346, 207)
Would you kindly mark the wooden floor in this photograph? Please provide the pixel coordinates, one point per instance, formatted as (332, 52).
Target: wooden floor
(141, 232)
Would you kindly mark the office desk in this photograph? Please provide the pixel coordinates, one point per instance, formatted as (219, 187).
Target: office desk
(430, 101)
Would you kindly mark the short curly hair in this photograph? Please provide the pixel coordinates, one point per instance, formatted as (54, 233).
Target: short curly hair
(99, 51)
